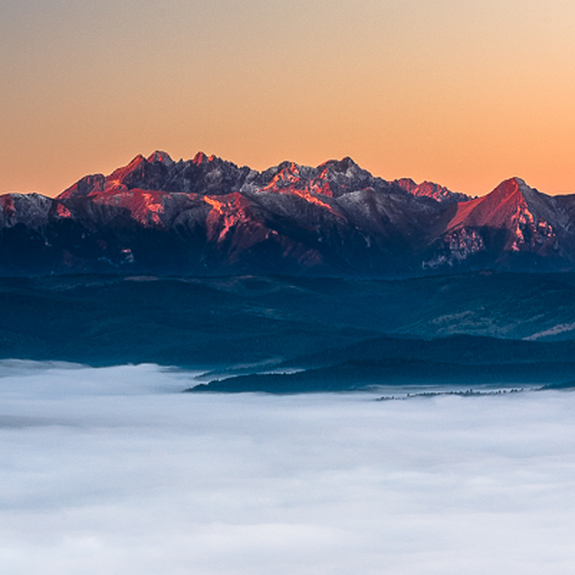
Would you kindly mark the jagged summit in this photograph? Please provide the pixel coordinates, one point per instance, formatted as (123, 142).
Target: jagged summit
(211, 174)
(201, 158)
(160, 157)
(432, 190)
(344, 165)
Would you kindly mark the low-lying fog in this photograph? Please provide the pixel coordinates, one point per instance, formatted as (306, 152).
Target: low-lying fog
(112, 471)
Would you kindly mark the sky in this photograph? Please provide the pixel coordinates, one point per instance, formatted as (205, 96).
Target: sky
(460, 92)
(112, 470)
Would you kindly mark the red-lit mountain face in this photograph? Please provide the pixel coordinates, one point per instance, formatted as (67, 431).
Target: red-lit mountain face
(513, 227)
(209, 216)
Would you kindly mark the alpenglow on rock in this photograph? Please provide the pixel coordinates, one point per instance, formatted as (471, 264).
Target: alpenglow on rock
(207, 216)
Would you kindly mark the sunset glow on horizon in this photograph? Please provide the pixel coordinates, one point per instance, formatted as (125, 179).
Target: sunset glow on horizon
(462, 93)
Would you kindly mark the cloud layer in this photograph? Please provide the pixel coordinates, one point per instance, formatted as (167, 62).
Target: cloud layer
(113, 471)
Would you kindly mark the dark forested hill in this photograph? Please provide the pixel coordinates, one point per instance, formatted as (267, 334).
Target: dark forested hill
(348, 326)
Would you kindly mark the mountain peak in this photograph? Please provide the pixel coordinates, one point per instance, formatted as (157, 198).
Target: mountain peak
(126, 176)
(139, 160)
(342, 165)
(495, 209)
(201, 158)
(519, 181)
(161, 157)
(515, 191)
(511, 186)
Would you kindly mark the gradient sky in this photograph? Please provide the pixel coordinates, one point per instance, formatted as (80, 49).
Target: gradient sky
(461, 92)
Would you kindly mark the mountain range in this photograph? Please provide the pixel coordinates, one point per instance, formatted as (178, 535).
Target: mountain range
(207, 216)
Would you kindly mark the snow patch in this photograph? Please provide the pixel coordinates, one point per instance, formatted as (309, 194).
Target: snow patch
(559, 328)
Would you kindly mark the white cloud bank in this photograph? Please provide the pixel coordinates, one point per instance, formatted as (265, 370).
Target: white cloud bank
(111, 471)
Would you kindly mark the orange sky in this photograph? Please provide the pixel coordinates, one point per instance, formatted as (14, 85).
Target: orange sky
(462, 92)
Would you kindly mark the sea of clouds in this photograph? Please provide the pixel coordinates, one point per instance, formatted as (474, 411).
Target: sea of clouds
(114, 471)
